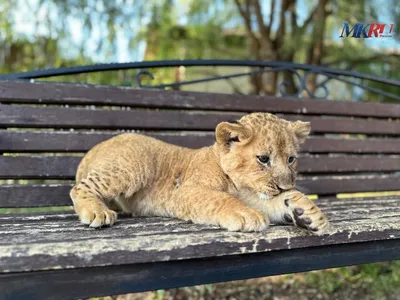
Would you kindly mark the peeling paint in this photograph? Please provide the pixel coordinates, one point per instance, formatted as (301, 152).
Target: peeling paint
(61, 238)
(255, 245)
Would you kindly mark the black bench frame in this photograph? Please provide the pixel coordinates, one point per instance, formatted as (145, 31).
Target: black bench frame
(300, 71)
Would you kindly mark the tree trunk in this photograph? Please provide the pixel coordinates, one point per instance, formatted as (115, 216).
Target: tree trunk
(288, 77)
(255, 84)
(316, 50)
(269, 80)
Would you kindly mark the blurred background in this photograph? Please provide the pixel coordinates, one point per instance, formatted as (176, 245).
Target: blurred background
(37, 34)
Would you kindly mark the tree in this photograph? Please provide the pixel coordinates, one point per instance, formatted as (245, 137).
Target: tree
(291, 39)
(296, 31)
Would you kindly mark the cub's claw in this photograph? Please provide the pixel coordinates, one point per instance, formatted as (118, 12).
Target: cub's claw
(97, 217)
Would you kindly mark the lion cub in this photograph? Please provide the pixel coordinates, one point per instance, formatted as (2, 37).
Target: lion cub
(243, 182)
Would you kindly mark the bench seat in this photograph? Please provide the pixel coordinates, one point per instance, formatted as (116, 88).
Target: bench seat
(54, 241)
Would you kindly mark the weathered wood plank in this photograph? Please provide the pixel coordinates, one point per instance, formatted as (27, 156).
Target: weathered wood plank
(57, 117)
(347, 184)
(27, 195)
(72, 230)
(38, 195)
(56, 93)
(348, 163)
(39, 167)
(122, 279)
(44, 246)
(335, 145)
(64, 167)
(65, 141)
(329, 205)
(66, 227)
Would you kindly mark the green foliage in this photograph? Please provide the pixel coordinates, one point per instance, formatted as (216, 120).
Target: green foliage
(380, 279)
(384, 278)
(328, 282)
(159, 295)
(35, 209)
(78, 32)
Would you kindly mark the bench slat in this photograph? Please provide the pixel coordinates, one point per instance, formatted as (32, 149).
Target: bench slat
(17, 141)
(64, 167)
(37, 195)
(330, 205)
(51, 247)
(57, 117)
(62, 141)
(55, 93)
(386, 207)
(351, 184)
(29, 195)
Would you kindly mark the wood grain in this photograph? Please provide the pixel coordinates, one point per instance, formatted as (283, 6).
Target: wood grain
(66, 141)
(39, 195)
(61, 117)
(45, 242)
(56, 93)
(64, 167)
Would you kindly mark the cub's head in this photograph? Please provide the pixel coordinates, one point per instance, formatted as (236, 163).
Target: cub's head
(259, 152)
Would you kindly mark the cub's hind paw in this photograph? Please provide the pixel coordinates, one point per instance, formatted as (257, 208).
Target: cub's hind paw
(97, 217)
(303, 213)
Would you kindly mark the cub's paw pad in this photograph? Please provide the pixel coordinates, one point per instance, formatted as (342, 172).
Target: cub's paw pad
(246, 220)
(305, 214)
(98, 217)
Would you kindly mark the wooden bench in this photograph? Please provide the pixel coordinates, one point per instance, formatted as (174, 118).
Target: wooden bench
(46, 128)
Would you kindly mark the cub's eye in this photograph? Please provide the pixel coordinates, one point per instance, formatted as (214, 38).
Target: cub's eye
(264, 159)
(291, 160)
(233, 139)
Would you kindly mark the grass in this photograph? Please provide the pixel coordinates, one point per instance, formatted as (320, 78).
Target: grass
(377, 281)
(381, 280)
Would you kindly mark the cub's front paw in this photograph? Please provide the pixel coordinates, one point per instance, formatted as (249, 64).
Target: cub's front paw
(97, 216)
(247, 219)
(303, 212)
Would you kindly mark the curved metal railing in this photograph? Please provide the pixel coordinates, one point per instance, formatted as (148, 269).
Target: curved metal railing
(257, 67)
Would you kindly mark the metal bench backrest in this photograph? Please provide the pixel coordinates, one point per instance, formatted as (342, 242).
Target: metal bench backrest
(46, 128)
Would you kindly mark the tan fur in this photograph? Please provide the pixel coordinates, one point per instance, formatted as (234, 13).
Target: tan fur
(224, 184)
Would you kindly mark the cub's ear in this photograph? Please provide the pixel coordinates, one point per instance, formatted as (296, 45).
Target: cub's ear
(227, 133)
(301, 130)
